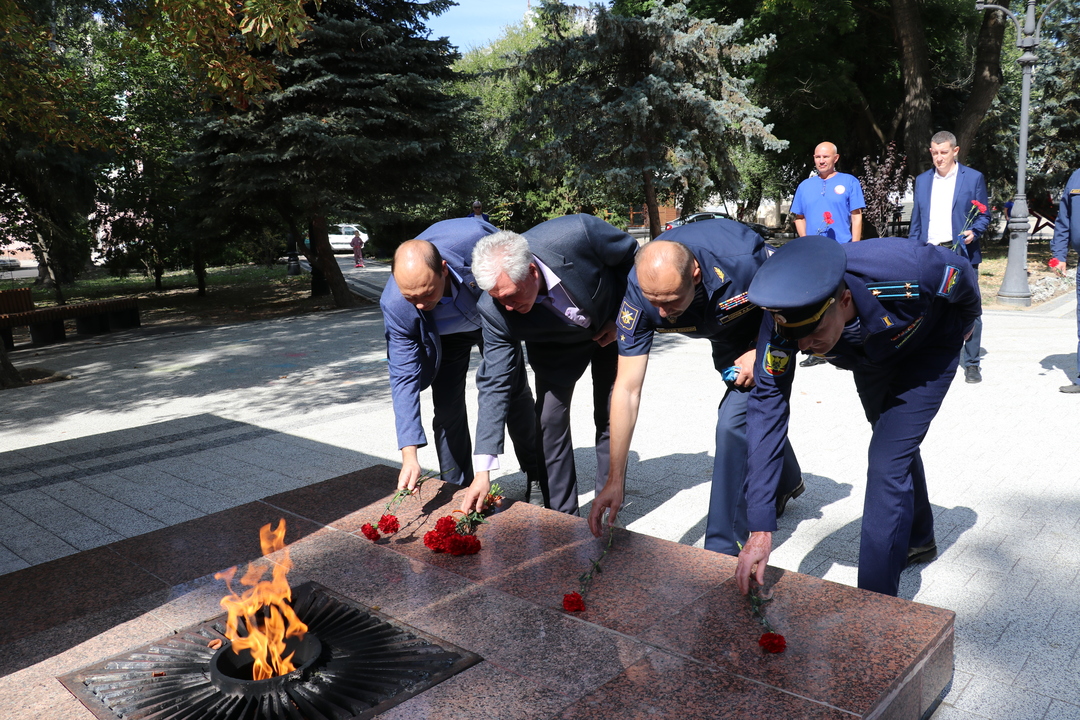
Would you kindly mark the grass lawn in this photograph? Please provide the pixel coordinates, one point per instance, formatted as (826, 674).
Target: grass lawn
(994, 260)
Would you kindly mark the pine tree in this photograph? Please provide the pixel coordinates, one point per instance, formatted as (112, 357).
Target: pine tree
(361, 121)
(641, 106)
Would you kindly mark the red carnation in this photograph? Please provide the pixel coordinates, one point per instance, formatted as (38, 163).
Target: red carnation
(772, 642)
(828, 218)
(976, 203)
(369, 532)
(445, 525)
(573, 602)
(434, 541)
(389, 524)
(1054, 262)
(462, 544)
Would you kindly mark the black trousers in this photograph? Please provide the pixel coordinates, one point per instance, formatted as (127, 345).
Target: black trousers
(453, 442)
(558, 478)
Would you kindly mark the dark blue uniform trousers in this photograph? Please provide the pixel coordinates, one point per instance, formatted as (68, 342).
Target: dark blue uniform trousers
(558, 471)
(899, 401)
(451, 424)
(726, 528)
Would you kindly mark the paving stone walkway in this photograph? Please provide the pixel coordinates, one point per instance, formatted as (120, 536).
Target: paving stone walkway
(159, 428)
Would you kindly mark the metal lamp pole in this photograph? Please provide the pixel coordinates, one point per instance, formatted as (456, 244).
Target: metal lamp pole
(1014, 288)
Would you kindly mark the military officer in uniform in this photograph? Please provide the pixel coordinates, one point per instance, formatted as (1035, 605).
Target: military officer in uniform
(432, 325)
(894, 311)
(557, 288)
(692, 280)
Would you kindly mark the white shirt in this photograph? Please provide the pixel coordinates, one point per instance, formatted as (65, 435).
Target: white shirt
(942, 189)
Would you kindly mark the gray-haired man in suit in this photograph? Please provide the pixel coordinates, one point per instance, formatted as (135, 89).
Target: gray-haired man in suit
(557, 288)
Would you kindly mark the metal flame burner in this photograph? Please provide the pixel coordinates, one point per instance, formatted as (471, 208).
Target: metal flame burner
(352, 663)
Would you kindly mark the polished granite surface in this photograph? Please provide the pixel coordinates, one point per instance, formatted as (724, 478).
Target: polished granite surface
(665, 633)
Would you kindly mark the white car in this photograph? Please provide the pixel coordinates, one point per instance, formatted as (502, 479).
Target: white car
(341, 237)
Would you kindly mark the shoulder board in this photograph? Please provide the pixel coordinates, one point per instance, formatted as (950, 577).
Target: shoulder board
(893, 290)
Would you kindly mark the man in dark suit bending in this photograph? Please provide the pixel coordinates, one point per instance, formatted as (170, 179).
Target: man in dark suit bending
(557, 288)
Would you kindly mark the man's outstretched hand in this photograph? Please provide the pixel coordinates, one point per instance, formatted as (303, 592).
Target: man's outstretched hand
(609, 500)
(752, 560)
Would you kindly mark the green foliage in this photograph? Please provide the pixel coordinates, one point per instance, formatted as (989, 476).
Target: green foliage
(360, 128)
(139, 196)
(631, 103)
(1056, 112)
(836, 75)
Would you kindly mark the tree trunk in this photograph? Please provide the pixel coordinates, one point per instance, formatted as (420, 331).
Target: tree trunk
(199, 266)
(915, 63)
(326, 262)
(9, 376)
(650, 205)
(987, 79)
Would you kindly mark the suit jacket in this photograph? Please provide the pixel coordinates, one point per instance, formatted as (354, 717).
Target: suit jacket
(970, 185)
(1067, 223)
(592, 260)
(413, 347)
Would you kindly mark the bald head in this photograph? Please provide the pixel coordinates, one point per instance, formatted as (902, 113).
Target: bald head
(420, 273)
(667, 273)
(825, 159)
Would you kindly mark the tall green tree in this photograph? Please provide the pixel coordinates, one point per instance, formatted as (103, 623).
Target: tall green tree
(644, 107)
(362, 121)
(139, 194)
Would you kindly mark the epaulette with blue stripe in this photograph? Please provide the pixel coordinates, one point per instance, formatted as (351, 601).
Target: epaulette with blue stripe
(893, 290)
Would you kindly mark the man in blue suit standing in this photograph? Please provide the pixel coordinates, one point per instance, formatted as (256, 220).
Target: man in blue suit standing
(950, 210)
(1066, 233)
(557, 289)
(432, 324)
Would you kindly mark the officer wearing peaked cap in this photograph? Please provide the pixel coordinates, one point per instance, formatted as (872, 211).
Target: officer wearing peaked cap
(895, 312)
(692, 280)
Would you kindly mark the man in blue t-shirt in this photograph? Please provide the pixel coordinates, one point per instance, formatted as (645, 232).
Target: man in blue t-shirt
(830, 204)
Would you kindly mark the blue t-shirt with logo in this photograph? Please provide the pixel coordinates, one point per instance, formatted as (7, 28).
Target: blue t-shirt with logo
(838, 196)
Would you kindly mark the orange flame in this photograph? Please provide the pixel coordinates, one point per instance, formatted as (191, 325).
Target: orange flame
(266, 628)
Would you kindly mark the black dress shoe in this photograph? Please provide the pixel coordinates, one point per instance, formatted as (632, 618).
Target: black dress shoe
(1071, 388)
(921, 554)
(813, 360)
(781, 504)
(972, 374)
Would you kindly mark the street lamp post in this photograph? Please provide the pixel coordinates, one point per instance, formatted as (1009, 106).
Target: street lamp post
(1014, 288)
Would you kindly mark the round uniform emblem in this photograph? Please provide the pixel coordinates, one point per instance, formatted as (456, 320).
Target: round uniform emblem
(839, 189)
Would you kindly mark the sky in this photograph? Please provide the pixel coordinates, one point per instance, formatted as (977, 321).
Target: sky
(474, 23)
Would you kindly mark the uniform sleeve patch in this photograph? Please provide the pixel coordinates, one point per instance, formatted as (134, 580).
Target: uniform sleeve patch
(629, 316)
(948, 280)
(776, 361)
